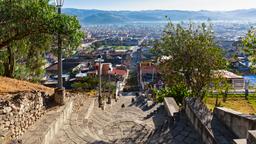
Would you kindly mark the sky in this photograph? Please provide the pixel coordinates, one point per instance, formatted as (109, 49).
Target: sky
(195, 5)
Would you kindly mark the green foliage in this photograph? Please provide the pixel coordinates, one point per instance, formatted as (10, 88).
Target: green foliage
(178, 92)
(87, 84)
(221, 86)
(192, 55)
(249, 43)
(28, 31)
(109, 85)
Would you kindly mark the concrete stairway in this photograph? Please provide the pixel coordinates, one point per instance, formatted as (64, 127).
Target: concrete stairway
(124, 125)
(179, 131)
(116, 124)
(75, 129)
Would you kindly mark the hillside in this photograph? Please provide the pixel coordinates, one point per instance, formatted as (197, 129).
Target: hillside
(113, 17)
(8, 85)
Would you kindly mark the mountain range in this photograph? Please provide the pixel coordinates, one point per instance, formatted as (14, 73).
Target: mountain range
(118, 17)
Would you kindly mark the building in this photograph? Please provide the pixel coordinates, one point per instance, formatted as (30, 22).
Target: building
(148, 72)
(237, 82)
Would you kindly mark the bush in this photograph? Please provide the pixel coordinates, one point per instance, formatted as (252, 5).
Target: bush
(178, 92)
(87, 84)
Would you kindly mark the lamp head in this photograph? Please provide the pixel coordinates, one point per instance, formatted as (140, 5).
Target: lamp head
(59, 3)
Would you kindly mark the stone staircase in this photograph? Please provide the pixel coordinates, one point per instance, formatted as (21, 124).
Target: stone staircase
(90, 124)
(176, 130)
(136, 123)
(154, 111)
(75, 129)
(118, 125)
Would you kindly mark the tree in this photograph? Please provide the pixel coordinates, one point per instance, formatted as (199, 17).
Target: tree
(249, 43)
(189, 55)
(87, 83)
(221, 86)
(28, 30)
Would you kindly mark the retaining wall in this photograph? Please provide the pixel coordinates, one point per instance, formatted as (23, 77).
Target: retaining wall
(19, 112)
(199, 124)
(235, 121)
(48, 127)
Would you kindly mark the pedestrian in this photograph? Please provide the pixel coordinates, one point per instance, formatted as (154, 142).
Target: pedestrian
(133, 100)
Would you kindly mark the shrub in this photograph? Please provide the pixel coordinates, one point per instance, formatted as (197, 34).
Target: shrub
(178, 92)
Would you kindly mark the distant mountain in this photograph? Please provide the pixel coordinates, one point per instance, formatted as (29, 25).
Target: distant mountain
(111, 17)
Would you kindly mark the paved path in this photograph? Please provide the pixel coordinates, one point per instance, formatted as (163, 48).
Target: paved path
(135, 123)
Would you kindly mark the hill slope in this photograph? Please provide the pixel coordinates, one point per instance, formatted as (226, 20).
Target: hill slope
(8, 85)
(110, 17)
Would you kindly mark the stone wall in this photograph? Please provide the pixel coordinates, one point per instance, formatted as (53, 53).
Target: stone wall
(19, 112)
(200, 117)
(45, 130)
(235, 121)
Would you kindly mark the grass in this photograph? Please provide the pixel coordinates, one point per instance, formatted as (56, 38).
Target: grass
(235, 102)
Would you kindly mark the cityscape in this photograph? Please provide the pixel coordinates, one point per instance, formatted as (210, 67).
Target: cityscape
(126, 73)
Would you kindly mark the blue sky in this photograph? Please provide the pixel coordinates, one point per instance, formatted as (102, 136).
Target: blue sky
(161, 4)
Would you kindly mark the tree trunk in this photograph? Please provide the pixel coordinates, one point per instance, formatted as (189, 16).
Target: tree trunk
(9, 63)
(217, 101)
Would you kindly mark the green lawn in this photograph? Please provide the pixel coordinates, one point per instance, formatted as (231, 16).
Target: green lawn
(235, 102)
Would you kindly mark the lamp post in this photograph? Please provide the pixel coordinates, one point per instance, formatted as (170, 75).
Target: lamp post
(59, 4)
(60, 91)
(99, 59)
(109, 87)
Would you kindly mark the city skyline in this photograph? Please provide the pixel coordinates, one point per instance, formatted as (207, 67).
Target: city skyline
(135, 5)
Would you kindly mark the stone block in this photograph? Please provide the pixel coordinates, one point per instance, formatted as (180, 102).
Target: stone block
(5, 136)
(7, 110)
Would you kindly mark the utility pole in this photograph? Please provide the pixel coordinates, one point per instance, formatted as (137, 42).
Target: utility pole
(153, 75)
(100, 96)
(109, 88)
(99, 72)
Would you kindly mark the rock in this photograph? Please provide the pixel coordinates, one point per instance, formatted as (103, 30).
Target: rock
(7, 123)
(1, 111)
(17, 114)
(7, 110)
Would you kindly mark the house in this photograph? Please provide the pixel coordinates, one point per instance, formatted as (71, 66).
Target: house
(68, 65)
(119, 72)
(106, 68)
(148, 72)
(238, 82)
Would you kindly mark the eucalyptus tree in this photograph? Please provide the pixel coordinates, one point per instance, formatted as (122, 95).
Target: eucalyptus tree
(188, 55)
(28, 31)
(249, 47)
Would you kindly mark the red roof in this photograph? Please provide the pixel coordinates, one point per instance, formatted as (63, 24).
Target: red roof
(119, 72)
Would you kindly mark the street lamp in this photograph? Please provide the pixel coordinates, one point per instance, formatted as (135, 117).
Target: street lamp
(60, 91)
(59, 4)
(99, 59)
